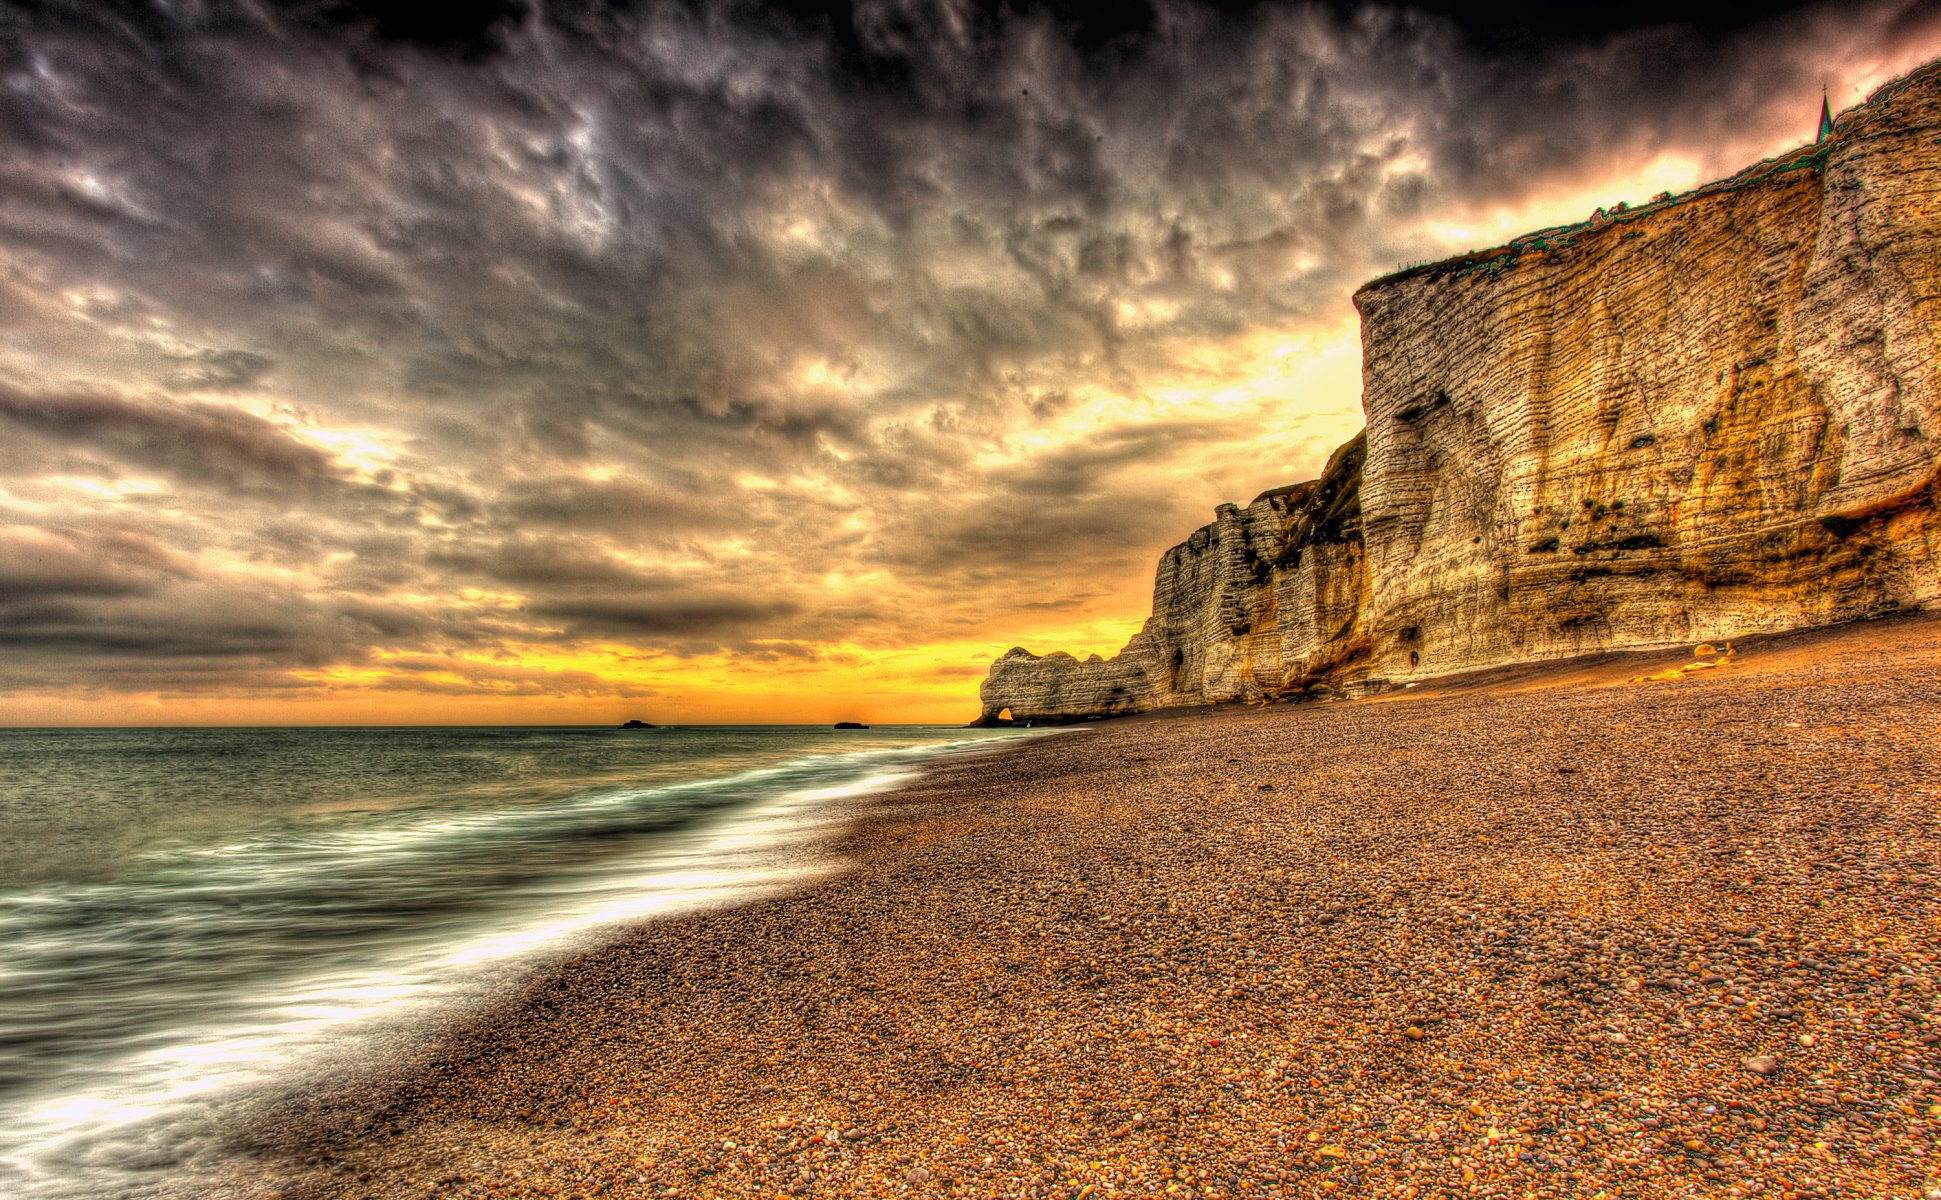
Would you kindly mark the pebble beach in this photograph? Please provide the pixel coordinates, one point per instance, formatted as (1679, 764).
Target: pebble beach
(1545, 932)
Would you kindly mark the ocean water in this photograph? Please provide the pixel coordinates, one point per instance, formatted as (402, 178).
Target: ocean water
(191, 919)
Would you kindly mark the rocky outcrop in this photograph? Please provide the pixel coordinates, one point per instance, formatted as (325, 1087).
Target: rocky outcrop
(1712, 416)
(1266, 602)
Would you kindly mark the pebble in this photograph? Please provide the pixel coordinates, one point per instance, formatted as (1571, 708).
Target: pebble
(1109, 961)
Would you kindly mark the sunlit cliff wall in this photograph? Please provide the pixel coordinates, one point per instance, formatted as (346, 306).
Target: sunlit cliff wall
(1265, 602)
(1707, 417)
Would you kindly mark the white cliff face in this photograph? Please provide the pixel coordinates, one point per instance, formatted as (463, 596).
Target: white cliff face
(1710, 417)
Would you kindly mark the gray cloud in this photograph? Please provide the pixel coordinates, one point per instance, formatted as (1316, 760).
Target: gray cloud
(713, 620)
(622, 505)
(202, 443)
(38, 565)
(567, 563)
(214, 370)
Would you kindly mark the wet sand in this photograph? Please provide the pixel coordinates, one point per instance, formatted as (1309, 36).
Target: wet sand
(1540, 933)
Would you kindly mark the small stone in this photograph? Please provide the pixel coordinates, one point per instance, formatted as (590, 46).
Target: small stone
(918, 1175)
(1763, 1065)
(1807, 1039)
(1415, 1033)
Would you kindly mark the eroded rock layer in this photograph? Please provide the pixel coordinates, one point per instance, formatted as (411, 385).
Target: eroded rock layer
(1266, 602)
(1712, 416)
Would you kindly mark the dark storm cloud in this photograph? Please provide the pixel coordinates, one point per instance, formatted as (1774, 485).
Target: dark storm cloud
(213, 627)
(203, 443)
(1025, 545)
(38, 565)
(618, 506)
(582, 580)
(465, 328)
(1076, 472)
(556, 562)
(1049, 526)
(715, 619)
(471, 29)
(143, 631)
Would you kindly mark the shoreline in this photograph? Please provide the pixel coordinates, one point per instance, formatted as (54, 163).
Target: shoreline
(1551, 935)
(156, 1011)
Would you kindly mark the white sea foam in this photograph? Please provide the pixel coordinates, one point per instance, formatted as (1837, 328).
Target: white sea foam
(144, 1116)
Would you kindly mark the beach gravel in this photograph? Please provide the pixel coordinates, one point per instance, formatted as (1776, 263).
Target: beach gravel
(1538, 934)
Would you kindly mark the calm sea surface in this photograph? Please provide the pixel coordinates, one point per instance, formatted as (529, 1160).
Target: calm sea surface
(191, 917)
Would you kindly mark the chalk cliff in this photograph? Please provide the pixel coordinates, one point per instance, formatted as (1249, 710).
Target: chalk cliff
(1267, 601)
(1710, 416)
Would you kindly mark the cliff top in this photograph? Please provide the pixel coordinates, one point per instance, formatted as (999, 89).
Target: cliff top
(1810, 157)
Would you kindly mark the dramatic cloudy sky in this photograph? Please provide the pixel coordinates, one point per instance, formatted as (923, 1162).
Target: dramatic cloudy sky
(720, 361)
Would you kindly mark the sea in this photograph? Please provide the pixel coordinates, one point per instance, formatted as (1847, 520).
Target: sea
(195, 920)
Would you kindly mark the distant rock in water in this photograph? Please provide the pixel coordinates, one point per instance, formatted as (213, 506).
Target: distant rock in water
(637, 725)
(1714, 415)
(851, 725)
